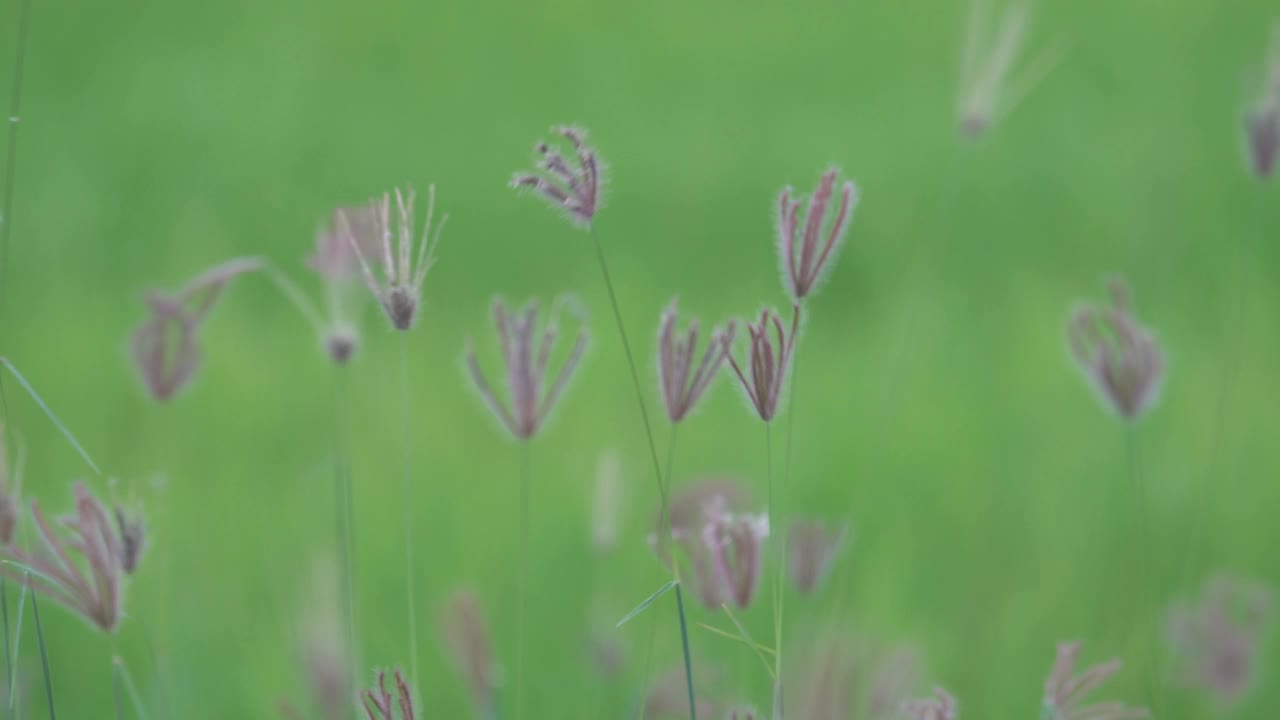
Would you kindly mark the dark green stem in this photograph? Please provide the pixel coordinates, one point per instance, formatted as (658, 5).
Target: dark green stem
(1147, 560)
(688, 657)
(44, 656)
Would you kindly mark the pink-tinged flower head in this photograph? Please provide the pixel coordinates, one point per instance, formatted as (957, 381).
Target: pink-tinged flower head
(527, 356)
(744, 714)
(400, 290)
(470, 650)
(767, 361)
(166, 348)
(324, 654)
(1217, 639)
(1262, 124)
(736, 543)
(812, 547)
(1066, 691)
(92, 589)
(689, 514)
(683, 384)
(988, 91)
(381, 703)
(894, 679)
(942, 706)
(807, 247)
(10, 488)
(1121, 358)
(350, 234)
(571, 186)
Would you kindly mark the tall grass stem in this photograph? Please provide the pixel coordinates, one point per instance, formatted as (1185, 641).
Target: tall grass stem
(345, 520)
(17, 643)
(688, 656)
(522, 591)
(44, 654)
(408, 511)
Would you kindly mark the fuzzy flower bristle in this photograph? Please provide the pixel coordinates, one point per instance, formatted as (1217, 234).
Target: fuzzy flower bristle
(166, 348)
(1066, 691)
(1121, 358)
(574, 188)
(942, 706)
(767, 361)
(988, 90)
(381, 703)
(807, 247)
(681, 383)
(400, 291)
(1218, 638)
(527, 354)
(736, 545)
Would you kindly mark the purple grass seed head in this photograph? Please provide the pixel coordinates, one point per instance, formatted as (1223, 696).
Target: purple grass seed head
(381, 703)
(571, 186)
(989, 89)
(812, 548)
(681, 383)
(469, 648)
(1217, 639)
(807, 248)
(688, 524)
(11, 470)
(1066, 691)
(767, 361)
(736, 544)
(942, 706)
(1121, 358)
(1262, 123)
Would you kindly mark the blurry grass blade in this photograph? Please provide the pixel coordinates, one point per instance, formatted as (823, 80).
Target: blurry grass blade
(54, 418)
(4, 617)
(746, 638)
(732, 636)
(122, 670)
(648, 601)
(17, 643)
(44, 657)
(32, 572)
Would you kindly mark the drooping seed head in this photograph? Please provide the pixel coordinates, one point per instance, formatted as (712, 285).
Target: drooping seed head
(1217, 639)
(166, 348)
(527, 354)
(469, 648)
(1262, 123)
(681, 383)
(736, 546)
(400, 290)
(806, 248)
(1066, 691)
(812, 547)
(572, 186)
(1121, 359)
(381, 703)
(767, 362)
(942, 706)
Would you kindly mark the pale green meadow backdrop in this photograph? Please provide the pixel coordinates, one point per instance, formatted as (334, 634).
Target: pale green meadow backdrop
(937, 407)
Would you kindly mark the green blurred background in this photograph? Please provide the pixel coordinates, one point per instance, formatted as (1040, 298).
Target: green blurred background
(938, 409)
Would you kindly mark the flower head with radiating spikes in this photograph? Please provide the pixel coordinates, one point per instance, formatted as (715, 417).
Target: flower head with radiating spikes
(942, 706)
(337, 261)
(1066, 691)
(400, 291)
(988, 90)
(767, 361)
(1218, 638)
(736, 545)
(94, 589)
(682, 384)
(1121, 358)
(572, 187)
(527, 356)
(806, 248)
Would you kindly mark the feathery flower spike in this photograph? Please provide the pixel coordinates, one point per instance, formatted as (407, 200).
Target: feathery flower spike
(942, 706)
(812, 546)
(378, 701)
(401, 290)
(736, 543)
(573, 188)
(95, 591)
(1066, 690)
(682, 385)
(527, 358)
(1262, 125)
(1218, 639)
(1121, 358)
(337, 261)
(466, 635)
(166, 347)
(987, 92)
(804, 263)
(767, 361)
(689, 513)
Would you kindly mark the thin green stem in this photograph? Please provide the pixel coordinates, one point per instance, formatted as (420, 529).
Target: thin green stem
(773, 551)
(407, 499)
(345, 519)
(44, 654)
(688, 657)
(139, 709)
(1148, 560)
(523, 580)
(4, 616)
(116, 691)
(17, 642)
(635, 375)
